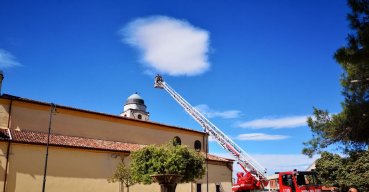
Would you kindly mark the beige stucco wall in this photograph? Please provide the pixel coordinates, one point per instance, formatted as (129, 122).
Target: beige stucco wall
(3, 150)
(68, 170)
(4, 113)
(72, 169)
(81, 170)
(35, 117)
(219, 174)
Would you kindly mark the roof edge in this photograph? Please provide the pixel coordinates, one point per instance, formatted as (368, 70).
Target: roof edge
(39, 138)
(12, 97)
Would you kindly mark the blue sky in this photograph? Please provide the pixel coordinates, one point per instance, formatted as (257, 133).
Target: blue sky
(255, 68)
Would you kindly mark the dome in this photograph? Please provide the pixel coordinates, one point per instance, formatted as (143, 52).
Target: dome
(135, 96)
(135, 99)
(135, 108)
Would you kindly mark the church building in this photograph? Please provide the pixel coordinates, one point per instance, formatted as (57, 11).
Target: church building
(86, 146)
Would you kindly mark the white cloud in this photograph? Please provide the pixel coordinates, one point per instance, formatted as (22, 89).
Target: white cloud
(283, 162)
(260, 137)
(7, 59)
(169, 45)
(275, 123)
(210, 113)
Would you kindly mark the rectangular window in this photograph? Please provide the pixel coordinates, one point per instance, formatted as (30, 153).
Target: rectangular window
(198, 187)
(285, 180)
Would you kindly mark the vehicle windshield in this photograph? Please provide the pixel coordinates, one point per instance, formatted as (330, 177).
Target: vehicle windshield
(307, 178)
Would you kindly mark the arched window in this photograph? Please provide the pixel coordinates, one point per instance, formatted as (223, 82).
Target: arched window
(176, 141)
(197, 145)
(139, 116)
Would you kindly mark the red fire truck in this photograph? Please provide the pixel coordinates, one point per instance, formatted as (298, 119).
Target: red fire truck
(253, 178)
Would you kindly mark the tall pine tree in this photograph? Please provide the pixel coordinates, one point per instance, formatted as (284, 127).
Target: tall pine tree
(350, 127)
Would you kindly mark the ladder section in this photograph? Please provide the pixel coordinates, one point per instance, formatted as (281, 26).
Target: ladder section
(245, 160)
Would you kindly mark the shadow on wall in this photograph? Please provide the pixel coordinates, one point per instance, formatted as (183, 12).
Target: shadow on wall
(26, 165)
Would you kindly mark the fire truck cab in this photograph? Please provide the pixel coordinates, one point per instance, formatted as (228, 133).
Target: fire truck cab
(298, 181)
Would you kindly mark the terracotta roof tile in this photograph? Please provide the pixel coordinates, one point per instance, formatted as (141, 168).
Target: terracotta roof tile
(217, 158)
(71, 141)
(31, 137)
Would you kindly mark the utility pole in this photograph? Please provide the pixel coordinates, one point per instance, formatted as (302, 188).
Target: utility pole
(52, 110)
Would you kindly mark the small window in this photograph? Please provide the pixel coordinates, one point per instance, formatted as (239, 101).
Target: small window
(197, 145)
(176, 141)
(287, 180)
(139, 116)
(284, 180)
(198, 187)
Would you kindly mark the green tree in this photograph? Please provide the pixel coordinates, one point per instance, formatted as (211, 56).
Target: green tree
(356, 167)
(123, 175)
(346, 172)
(348, 129)
(328, 167)
(167, 159)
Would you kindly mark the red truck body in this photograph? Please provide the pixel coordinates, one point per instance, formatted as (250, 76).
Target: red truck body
(245, 182)
(299, 181)
(289, 181)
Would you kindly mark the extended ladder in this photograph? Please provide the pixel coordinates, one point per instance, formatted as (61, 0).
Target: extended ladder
(245, 160)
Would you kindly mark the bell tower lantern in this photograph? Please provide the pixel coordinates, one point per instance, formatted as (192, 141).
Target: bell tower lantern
(135, 108)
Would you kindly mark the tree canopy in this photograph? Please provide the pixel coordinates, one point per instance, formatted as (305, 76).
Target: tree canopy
(344, 172)
(167, 159)
(349, 128)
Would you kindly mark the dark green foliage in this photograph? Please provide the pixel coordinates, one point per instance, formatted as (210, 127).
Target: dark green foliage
(350, 127)
(167, 159)
(351, 171)
(328, 168)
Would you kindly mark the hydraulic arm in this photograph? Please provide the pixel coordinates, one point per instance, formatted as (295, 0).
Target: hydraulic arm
(248, 164)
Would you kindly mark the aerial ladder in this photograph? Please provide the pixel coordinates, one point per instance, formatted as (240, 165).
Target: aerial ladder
(254, 177)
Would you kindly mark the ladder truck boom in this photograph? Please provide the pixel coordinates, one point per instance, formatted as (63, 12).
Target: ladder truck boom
(248, 164)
